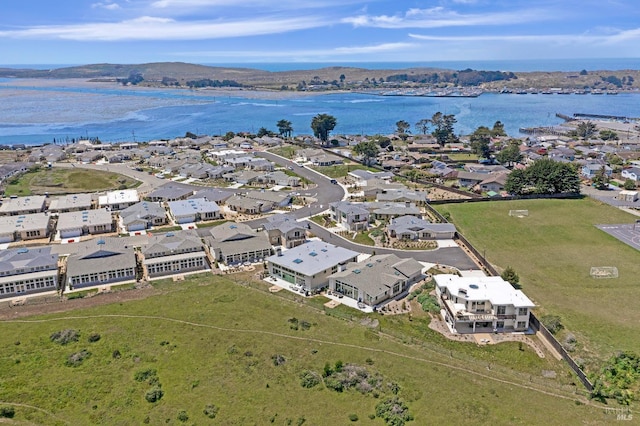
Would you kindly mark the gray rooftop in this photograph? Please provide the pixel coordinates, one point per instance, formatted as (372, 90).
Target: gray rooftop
(213, 194)
(172, 243)
(192, 206)
(283, 223)
(413, 224)
(378, 274)
(348, 207)
(12, 205)
(71, 220)
(229, 231)
(99, 255)
(27, 259)
(142, 210)
(25, 222)
(270, 196)
(313, 257)
(70, 201)
(171, 191)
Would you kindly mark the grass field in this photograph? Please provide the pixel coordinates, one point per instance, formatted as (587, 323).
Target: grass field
(212, 342)
(553, 250)
(341, 170)
(67, 181)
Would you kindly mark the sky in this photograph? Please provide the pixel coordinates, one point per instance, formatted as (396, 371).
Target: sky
(337, 31)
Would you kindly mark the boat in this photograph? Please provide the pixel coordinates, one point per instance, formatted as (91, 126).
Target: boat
(612, 92)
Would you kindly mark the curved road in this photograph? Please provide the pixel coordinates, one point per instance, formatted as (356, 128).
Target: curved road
(324, 193)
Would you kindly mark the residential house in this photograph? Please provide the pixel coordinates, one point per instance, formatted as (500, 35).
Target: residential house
(234, 243)
(143, 215)
(377, 186)
(351, 216)
(632, 173)
(243, 177)
(325, 159)
(174, 253)
(24, 227)
(77, 223)
(23, 205)
(309, 265)
(271, 199)
(412, 228)
(403, 196)
(279, 178)
(470, 179)
(285, 230)
(590, 170)
(218, 196)
(494, 182)
(70, 203)
(25, 271)
(100, 262)
(194, 210)
(387, 211)
(12, 169)
(482, 304)
(171, 191)
(119, 200)
(376, 279)
(361, 177)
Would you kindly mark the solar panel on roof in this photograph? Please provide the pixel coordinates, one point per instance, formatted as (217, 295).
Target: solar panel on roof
(313, 254)
(297, 261)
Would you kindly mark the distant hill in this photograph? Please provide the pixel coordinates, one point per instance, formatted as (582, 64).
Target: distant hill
(180, 74)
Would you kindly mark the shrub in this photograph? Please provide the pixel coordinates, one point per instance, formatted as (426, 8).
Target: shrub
(183, 416)
(552, 322)
(64, 337)
(305, 325)
(154, 394)
(353, 417)
(75, 359)
(278, 359)
(211, 411)
(116, 354)
(393, 411)
(144, 375)
(7, 411)
(309, 379)
(94, 337)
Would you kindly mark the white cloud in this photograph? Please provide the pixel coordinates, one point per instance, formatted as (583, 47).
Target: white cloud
(439, 17)
(108, 6)
(294, 55)
(538, 38)
(153, 28)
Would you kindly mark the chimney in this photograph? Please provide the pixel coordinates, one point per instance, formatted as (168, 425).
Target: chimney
(279, 251)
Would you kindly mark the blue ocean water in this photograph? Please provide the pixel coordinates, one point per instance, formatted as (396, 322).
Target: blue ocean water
(36, 115)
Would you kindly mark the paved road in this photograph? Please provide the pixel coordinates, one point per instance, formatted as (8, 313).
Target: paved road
(451, 256)
(324, 193)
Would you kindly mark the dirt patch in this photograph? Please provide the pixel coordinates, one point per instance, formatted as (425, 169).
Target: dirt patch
(56, 304)
(332, 304)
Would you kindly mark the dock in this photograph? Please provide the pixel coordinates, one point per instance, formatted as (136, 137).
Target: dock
(579, 115)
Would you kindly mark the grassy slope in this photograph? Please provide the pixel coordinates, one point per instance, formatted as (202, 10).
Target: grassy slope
(61, 181)
(198, 367)
(553, 250)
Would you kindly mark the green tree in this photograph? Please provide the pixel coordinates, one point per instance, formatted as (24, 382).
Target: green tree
(601, 179)
(510, 154)
(480, 140)
(263, 131)
(629, 185)
(322, 125)
(517, 182)
(544, 176)
(402, 127)
(498, 129)
(608, 135)
(284, 128)
(585, 129)
(443, 128)
(368, 150)
(422, 126)
(510, 275)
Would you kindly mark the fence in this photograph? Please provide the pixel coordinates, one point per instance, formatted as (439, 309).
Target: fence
(533, 320)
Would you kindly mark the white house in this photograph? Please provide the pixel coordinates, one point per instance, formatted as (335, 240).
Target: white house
(632, 173)
(118, 200)
(194, 210)
(26, 271)
(351, 216)
(75, 224)
(485, 304)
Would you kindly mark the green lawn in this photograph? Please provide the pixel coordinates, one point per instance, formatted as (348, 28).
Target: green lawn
(341, 170)
(67, 181)
(288, 151)
(553, 250)
(211, 341)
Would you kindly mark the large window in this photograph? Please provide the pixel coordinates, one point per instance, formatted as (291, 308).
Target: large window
(347, 289)
(523, 311)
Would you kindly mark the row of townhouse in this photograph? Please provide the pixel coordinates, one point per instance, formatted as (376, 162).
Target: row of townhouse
(111, 260)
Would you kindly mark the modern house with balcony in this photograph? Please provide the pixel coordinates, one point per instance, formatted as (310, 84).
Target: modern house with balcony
(351, 216)
(482, 305)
